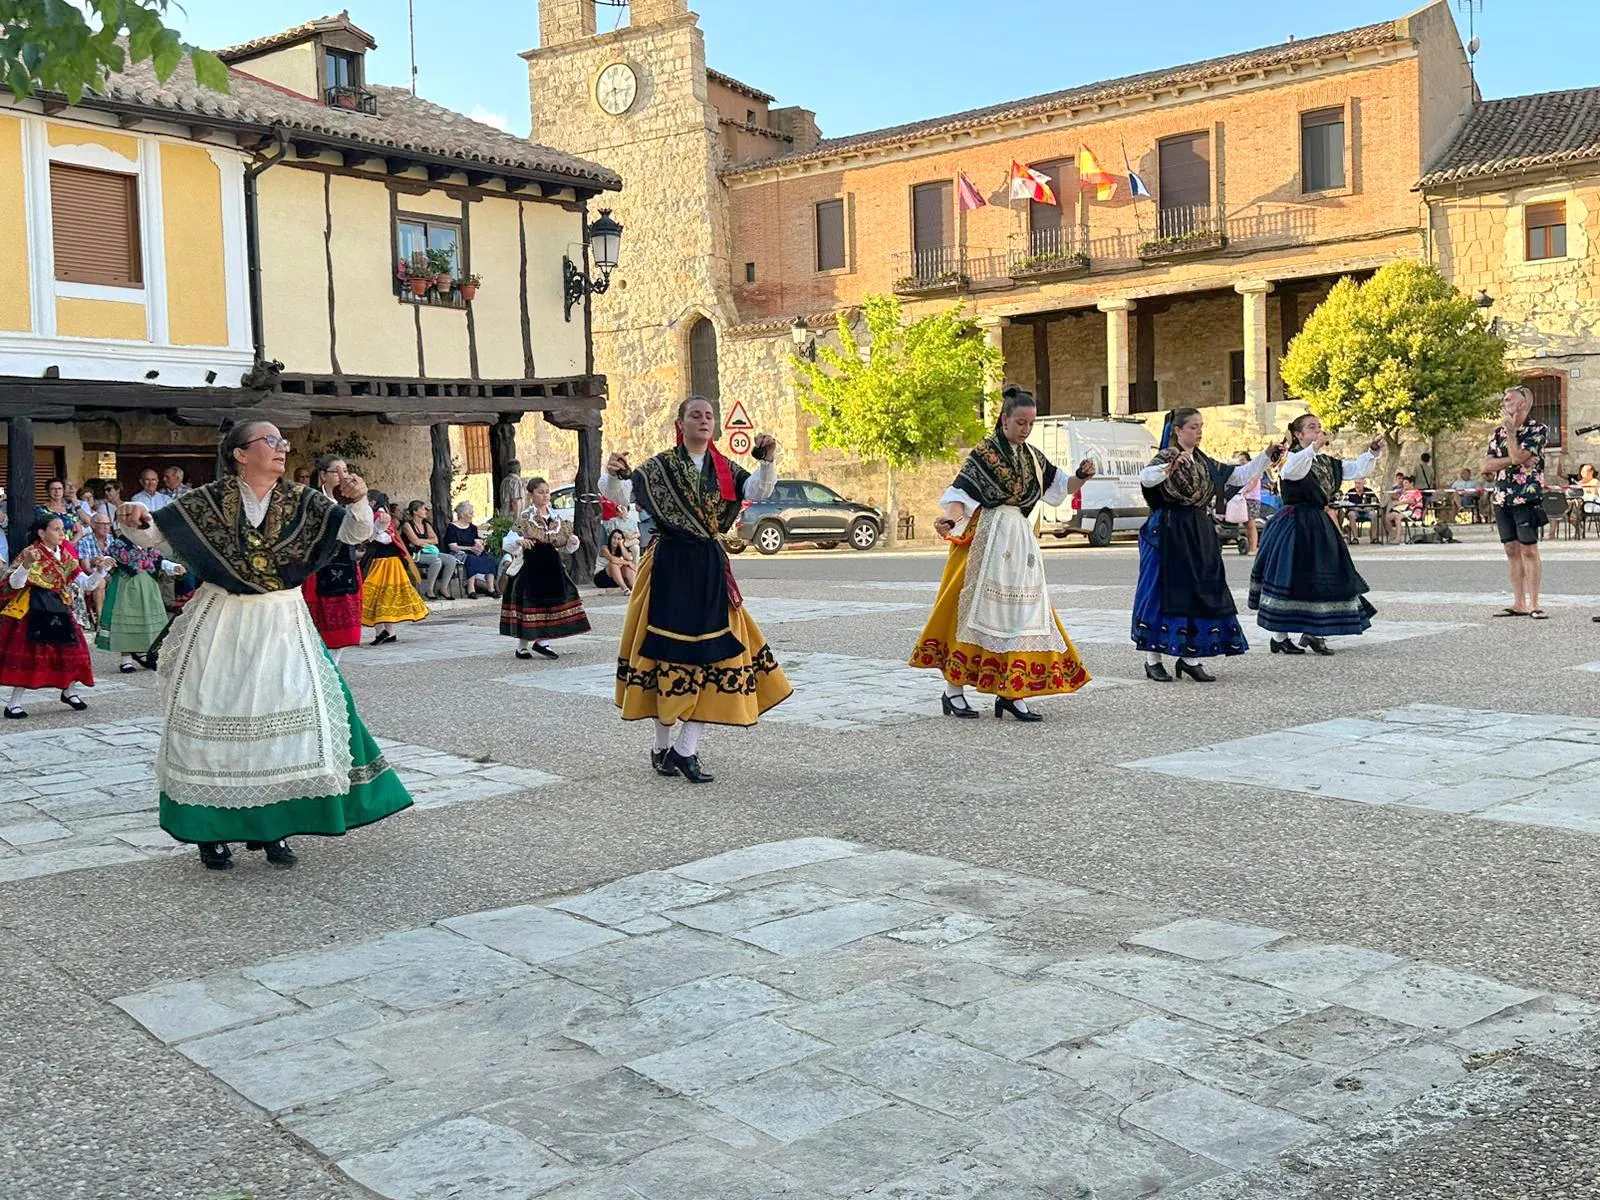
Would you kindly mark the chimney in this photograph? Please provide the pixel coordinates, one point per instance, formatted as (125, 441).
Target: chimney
(563, 21)
(799, 125)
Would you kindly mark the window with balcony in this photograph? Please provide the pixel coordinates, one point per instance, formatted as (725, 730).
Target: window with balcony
(1183, 180)
(344, 82)
(830, 235)
(95, 218)
(932, 252)
(1049, 229)
(1322, 150)
(428, 260)
(1546, 230)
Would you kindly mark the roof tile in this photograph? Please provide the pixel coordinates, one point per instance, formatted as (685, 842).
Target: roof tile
(1519, 133)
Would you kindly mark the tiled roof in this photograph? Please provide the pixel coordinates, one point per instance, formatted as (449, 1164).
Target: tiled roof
(728, 81)
(1326, 46)
(298, 33)
(1520, 133)
(403, 122)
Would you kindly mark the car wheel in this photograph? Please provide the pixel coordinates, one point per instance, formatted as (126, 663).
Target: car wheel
(734, 546)
(1104, 524)
(863, 534)
(769, 537)
(827, 545)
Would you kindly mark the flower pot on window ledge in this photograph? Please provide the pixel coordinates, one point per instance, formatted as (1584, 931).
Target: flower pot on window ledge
(419, 287)
(442, 281)
(467, 290)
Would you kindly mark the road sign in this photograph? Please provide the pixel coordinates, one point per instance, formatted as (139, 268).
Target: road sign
(738, 418)
(739, 442)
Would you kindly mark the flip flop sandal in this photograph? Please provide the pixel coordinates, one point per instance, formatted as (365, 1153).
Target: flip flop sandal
(1538, 614)
(1508, 612)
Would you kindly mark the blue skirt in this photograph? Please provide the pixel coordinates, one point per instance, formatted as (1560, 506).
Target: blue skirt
(1304, 580)
(1182, 606)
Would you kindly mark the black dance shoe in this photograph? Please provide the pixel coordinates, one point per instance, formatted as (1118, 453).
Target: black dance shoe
(1157, 672)
(545, 651)
(659, 763)
(215, 856)
(15, 714)
(525, 654)
(1316, 645)
(75, 703)
(950, 708)
(384, 638)
(1002, 706)
(127, 668)
(688, 767)
(1286, 647)
(1197, 672)
(278, 852)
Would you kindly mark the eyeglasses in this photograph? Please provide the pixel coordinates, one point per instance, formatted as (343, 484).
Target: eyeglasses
(273, 442)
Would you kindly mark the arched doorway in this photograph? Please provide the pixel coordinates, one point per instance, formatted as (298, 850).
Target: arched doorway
(703, 380)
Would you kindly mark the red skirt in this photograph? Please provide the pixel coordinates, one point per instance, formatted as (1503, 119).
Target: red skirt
(337, 618)
(29, 664)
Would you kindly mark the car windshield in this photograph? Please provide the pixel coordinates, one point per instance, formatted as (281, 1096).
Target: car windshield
(815, 493)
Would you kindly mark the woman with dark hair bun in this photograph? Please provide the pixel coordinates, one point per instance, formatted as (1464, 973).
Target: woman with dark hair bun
(992, 626)
(333, 591)
(540, 604)
(1304, 580)
(41, 644)
(391, 586)
(261, 740)
(1182, 606)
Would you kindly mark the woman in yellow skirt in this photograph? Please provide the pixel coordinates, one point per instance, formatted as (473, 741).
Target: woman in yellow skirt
(992, 626)
(389, 592)
(691, 654)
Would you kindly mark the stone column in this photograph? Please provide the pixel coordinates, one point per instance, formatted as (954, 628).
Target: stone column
(994, 334)
(1116, 312)
(1255, 348)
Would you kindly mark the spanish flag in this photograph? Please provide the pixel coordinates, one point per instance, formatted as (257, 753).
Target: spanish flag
(1091, 174)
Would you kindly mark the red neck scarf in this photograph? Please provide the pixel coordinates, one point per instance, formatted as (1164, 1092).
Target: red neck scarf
(723, 468)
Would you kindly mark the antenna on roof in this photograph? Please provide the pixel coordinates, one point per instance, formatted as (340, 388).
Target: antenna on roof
(620, 5)
(411, 20)
(1472, 8)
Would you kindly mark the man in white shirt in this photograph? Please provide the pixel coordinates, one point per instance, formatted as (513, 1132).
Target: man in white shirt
(172, 482)
(150, 494)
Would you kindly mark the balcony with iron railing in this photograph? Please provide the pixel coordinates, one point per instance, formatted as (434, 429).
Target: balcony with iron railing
(1184, 231)
(352, 99)
(931, 269)
(1047, 253)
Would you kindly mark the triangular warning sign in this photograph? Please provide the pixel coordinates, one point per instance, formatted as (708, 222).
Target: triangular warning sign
(738, 418)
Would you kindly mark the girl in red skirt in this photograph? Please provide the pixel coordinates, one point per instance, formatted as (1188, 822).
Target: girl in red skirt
(333, 593)
(41, 645)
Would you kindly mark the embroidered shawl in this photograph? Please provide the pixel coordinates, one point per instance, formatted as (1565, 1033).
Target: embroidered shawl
(1320, 486)
(50, 574)
(1194, 483)
(209, 532)
(997, 473)
(131, 559)
(684, 501)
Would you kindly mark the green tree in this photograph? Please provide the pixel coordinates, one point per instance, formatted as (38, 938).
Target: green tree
(1403, 351)
(59, 46)
(913, 394)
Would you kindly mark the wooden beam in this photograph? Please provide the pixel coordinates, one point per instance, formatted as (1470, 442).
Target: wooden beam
(478, 178)
(572, 417)
(434, 418)
(201, 132)
(307, 149)
(439, 478)
(19, 481)
(129, 120)
(438, 171)
(52, 105)
(523, 187)
(398, 166)
(356, 158)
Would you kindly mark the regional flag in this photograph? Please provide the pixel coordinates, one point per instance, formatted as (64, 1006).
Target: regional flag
(1136, 187)
(1028, 184)
(967, 196)
(1091, 174)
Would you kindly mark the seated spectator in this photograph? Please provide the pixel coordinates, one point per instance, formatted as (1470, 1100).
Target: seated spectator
(420, 537)
(302, 476)
(150, 494)
(1405, 505)
(92, 545)
(615, 569)
(172, 484)
(1589, 485)
(463, 541)
(1362, 508)
(613, 517)
(58, 505)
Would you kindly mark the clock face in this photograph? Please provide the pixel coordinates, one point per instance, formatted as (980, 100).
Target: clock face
(617, 88)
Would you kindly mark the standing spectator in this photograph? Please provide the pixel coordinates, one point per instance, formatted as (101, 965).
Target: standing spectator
(422, 539)
(92, 545)
(1516, 462)
(57, 505)
(302, 476)
(110, 500)
(85, 502)
(1252, 501)
(172, 484)
(150, 494)
(513, 497)
(1424, 477)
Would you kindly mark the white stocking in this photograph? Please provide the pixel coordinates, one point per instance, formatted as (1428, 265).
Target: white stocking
(1280, 638)
(955, 691)
(689, 738)
(71, 689)
(523, 643)
(16, 698)
(1020, 705)
(663, 736)
(1190, 662)
(1152, 659)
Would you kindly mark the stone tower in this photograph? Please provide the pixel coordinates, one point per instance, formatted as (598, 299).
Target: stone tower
(657, 330)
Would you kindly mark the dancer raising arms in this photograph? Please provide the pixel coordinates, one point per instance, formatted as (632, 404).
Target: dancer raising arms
(261, 739)
(691, 652)
(1304, 580)
(992, 626)
(1183, 606)
(540, 602)
(390, 587)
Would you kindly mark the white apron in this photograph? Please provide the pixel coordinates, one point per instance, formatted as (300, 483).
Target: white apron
(255, 711)
(1005, 605)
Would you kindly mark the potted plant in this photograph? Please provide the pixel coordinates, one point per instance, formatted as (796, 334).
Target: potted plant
(439, 262)
(467, 285)
(419, 274)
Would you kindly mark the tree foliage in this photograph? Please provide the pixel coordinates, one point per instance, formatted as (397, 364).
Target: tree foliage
(58, 46)
(1403, 351)
(913, 394)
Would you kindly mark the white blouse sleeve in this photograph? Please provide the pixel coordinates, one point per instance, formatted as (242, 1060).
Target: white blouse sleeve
(19, 576)
(1155, 474)
(954, 495)
(1361, 467)
(1247, 473)
(618, 491)
(88, 581)
(357, 527)
(1059, 487)
(1298, 464)
(761, 483)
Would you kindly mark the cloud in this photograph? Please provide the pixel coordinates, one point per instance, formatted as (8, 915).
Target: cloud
(498, 119)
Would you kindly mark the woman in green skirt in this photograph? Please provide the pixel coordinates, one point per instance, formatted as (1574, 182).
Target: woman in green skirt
(261, 740)
(133, 615)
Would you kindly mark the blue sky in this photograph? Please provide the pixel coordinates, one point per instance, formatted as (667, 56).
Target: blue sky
(863, 64)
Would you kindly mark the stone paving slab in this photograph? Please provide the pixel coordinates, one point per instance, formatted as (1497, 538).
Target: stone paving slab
(438, 641)
(1492, 765)
(543, 1049)
(102, 811)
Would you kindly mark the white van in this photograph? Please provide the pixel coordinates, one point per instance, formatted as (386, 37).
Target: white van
(1112, 501)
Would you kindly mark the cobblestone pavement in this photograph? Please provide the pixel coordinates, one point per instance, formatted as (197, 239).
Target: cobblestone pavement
(816, 1018)
(1322, 930)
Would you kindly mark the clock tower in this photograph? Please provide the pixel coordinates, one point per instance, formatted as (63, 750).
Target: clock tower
(637, 100)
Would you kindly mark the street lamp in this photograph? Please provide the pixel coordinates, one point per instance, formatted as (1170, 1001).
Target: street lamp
(604, 237)
(805, 343)
(1485, 301)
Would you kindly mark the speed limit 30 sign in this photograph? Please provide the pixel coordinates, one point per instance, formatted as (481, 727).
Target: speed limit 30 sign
(739, 442)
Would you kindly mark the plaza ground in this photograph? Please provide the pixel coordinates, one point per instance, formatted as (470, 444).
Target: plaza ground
(1324, 928)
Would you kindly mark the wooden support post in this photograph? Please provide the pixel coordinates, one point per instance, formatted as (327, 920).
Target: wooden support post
(439, 480)
(586, 515)
(19, 481)
(502, 453)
